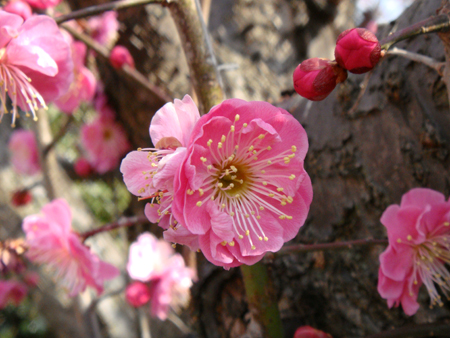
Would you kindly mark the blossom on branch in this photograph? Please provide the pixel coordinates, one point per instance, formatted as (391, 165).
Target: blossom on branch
(103, 28)
(419, 249)
(52, 242)
(149, 172)
(164, 280)
(24, 152)
(83, 87)
(35, 63)
(120, 56)
(242, 188)
(105, 142)
(310, 332)
(43, 4)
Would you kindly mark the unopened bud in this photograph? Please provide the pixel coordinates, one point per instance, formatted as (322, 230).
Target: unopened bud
(310, 332)
(21, 197)
(357, 50)
(120, 56)
(82, 167)
(315, 78)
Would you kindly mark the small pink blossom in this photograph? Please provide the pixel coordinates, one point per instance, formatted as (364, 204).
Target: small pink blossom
(83, 87)
(51, 241)
(12, 291)
(357, 50)
(103, 28)
(242, 188)
(35, 62)
(149, 173)
(24, 152)
(310, 332)
(155, 262)
(18, 7)
(419, 249)
(137, 294)
(316, 78)
(105, 142)
(43, 4)
(120, 56)
(82, 167)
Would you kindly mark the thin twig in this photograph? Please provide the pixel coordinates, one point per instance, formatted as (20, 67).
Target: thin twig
(60, 134)
(426, 60)
(121, 223)
(417, 331)
(173, 317)
(126, 70)
(432, 24)
(144, 323)
(330, 246)
(363, 87)
(110, 6)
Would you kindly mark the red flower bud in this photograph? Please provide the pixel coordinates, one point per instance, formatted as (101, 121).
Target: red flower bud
(21, 197)
(357, 50)
(82, 167)
(137, 294)
(310, 332)
(316, 78)
(120, 56)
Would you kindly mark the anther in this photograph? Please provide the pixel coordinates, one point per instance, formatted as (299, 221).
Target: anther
(282, 217)
(245, 125)
(247, 233)
(199, 203)
(294, 149)
(200, 191)
(174, 245)
(209, 142)
(269, 162)
(264, 183)
(224, 243)
(232, 213)
(399, 240)
(280, 189)
(261, 208)
(231, 243)
(265, 239)
(260, 238)
(269, 148)
(263, 171)
(446, 224)
(236, 117)
(232, 129)
(223, 139)
(261, 136)
(240, 236)
(292, 177)
(219, 145)
(253, 247)
(203, 159)
(251, 148)
(409, 237)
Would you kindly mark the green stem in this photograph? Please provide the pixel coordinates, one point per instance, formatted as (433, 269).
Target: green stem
(262, 300)
(430, 25)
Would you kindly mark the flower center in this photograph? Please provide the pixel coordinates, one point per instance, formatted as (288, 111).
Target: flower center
(242, 184)
(430, 259)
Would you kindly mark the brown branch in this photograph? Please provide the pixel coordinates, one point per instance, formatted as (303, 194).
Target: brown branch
(60, 134)
(129, 72)
(416, 331)
(110, 6)
(330, 246)
(121, 223)
(426, 60)
(432, 24)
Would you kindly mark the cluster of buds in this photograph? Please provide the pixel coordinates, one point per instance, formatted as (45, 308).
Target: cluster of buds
(357, 51)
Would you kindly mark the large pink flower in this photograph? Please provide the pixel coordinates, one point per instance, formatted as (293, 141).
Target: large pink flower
(51, 241)
(149, 173)
(105, 142)
(83, 87)
(242, 188)
(35, 62)
(419, 242)
(24, 152)
(12, 291)
(168, 279)
(43, 4)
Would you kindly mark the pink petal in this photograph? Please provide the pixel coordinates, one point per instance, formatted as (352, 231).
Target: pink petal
(419, 197)
(9, 22)
(396, 264)
(132, 168)
(175, 120)
(34, 58)
(58, 211)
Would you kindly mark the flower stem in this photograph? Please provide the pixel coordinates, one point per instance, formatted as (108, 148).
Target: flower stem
(110, 6)
(416, 331)
(330, 246)
(262, 300)
(121, 223)
(432, 24)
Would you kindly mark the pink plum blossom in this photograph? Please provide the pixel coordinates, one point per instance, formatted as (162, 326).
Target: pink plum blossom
(43, 4)
(24, 152)
(12, 291)
(52, 242)
(242, 188)
(168, 279)
(18, 7)
(35, 62)
(137, 294)
(103, 28)
(105, 142)
(83, 87)
(120, 56)
(419, 236)
(149, 173)
(82, 167)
